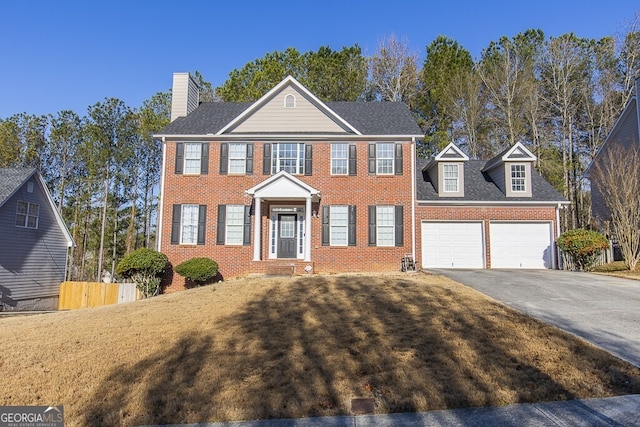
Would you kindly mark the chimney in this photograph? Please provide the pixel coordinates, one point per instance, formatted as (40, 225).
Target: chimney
(184, 95)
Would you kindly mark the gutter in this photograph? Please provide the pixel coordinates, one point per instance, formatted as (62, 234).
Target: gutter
(462, 203)
(558, 231)
(413, 198)
(296, 137)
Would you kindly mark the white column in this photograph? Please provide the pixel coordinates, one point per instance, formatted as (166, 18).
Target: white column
(257, 218)
(307, 230)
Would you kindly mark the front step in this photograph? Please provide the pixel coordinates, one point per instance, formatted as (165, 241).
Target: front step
(279, 270)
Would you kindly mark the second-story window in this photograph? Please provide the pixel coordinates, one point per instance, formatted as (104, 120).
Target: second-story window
(288, 157)
(450, 178)
(518, 178)
(192, 158)
(237, 158)
(384, 158)
(27, 215)
(339, 159)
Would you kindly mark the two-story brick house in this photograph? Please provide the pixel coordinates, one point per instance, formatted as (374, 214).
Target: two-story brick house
(320, 187)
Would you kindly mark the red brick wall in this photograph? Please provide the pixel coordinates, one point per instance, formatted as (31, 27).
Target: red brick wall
(485, 214)
(361, 190)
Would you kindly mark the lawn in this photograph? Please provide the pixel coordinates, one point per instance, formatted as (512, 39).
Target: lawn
(296, 347)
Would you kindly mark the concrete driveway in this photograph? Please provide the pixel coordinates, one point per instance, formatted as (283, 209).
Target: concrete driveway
(601, 309)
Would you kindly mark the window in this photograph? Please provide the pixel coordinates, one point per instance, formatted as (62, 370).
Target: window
(518, 176)
(189, 221)
(237, 158)
(450, 178)
(27, 215)
(339, 159)
(289, 101)
(192, 158)
(289, 157)
(235, 224)
(385, 220)
(339, 225)
(384, 159)
(386, 225)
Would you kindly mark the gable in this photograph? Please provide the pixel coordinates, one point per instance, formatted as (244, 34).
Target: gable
(452, 153)
(283, 186)
(288, 108)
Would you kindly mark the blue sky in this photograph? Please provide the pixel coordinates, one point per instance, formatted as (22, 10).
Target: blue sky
(61, 54)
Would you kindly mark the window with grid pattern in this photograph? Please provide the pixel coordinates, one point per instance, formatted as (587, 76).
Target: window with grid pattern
(192, 158)
(189, 224)
(339, 225)
(518, 177)
(27, 214)
(385, 225)
(234, 224)
(288, 157)
(237, 158)
(339, 159)
(450, 178)
(384, 158)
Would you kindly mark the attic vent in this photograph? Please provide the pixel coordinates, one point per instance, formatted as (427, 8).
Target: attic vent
(29, 187)
(289, 101)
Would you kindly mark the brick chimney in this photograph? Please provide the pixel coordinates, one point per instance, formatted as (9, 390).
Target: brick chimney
(184, 95)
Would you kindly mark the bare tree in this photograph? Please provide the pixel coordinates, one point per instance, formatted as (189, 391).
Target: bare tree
(393, 71)
(616, 179)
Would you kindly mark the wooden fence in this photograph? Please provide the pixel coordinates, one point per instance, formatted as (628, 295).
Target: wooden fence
(75, 295)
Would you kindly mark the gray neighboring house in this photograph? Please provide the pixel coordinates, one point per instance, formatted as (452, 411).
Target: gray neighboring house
(34, 242)
(624, 134)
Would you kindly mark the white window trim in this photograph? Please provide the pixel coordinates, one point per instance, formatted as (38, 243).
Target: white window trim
(228, 225)
(393, 225)
(27, 215)
(183, 224)
(379, 158)
(275, 155)
(199, 158)
(346, 159)
(332, 225)
(243, 157)
(523, 178)
(451, 179)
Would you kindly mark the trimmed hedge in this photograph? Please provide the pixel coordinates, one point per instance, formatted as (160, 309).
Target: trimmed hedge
(198, 270)
(584, 246)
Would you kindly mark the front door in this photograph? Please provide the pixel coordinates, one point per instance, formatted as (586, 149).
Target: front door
(287, 235)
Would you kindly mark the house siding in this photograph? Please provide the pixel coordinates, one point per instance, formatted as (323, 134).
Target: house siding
(486, 214)
(32, 261)
(361, 191)
(274, 117)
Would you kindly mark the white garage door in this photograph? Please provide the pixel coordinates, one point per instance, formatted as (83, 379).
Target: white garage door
(452, 245)
(521, 245)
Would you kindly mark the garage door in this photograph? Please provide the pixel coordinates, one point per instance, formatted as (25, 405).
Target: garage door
(521, 245)
(452, 245)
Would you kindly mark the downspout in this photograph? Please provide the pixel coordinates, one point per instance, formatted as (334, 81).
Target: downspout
(413, 198)
(559, 265)
(161, 202)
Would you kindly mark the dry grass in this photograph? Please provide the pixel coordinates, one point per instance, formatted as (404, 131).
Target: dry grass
(259, 348)
(618, 269)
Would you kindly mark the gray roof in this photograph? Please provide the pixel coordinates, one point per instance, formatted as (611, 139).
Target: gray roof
(478, 186)
(11, 179)
(370, 118)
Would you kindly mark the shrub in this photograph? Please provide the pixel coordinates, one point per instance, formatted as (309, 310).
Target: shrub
(144, 266)
(584, 246)
(198, 270)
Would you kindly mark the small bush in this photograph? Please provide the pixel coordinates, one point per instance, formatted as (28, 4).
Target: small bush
(198, 270)
(584, 246)
(144, 266)
(612, 267)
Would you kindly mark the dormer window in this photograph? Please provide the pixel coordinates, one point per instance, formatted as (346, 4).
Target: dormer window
(450, 178)
(518, 178)
(289, 101)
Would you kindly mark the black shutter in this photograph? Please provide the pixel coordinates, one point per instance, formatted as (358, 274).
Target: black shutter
(246, 231)
(249, 165)
(399, 218)
(179, 157)
(325, 226)
(202, 223)
(220, 236)
(372, 226)
(224, 158)
(398, 160)
(352, 225)
(204, 159)
(372, 159)
(353, 160)
(266, 160)
(308, 159)
(175, 224)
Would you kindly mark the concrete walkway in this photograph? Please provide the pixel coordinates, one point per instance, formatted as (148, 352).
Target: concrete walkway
(614, 411)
